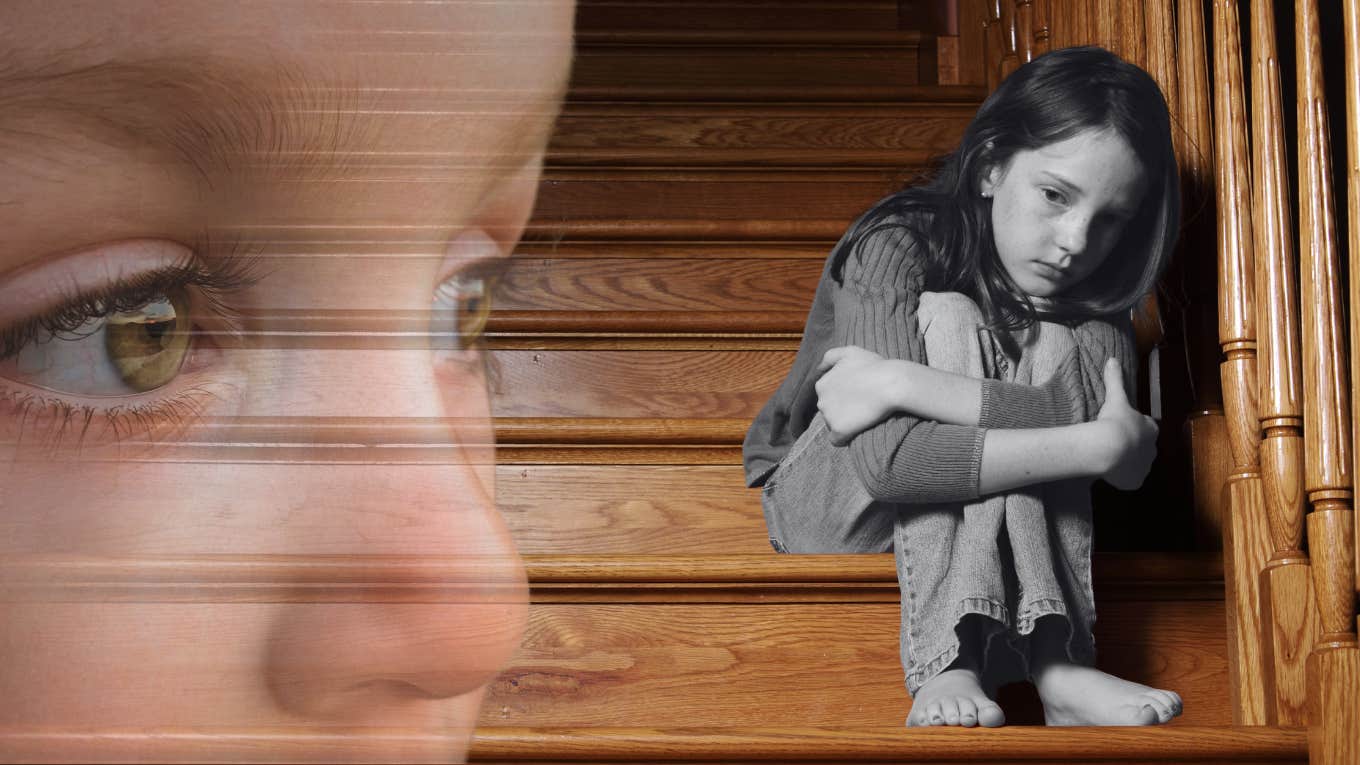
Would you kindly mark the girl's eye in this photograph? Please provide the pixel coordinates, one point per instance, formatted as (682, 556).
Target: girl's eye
(1053, 195)
(148, 345)
(121, 352)
(462, 304)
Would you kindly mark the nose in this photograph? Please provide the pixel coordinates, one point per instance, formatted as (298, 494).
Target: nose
(1072, 234)
(432, 597)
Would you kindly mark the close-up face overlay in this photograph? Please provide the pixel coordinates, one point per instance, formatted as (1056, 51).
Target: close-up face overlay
(1059, 210)
(246, 462)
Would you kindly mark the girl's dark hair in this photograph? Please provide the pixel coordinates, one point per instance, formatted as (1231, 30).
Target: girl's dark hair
(1050, 99)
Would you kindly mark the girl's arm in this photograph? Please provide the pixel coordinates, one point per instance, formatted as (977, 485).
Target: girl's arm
(858, 388)
(1118, 445)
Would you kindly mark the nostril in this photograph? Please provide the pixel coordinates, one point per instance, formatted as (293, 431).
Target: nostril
(354, 662)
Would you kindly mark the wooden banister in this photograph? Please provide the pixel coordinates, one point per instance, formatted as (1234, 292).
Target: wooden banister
(1334, 666)
(1246, 543)
(1285, 583)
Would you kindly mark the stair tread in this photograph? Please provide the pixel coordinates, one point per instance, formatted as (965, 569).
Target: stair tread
(1013, 743)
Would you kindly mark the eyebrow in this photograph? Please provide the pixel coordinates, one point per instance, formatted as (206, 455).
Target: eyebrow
(1122, 210)
(215, 115)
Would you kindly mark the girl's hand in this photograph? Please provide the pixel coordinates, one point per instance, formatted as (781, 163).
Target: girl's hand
(1132, 435)
(854, 391)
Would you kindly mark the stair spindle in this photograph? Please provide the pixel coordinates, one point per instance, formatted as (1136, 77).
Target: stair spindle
(1334, 666)
(1286, 590)
(1246, 536)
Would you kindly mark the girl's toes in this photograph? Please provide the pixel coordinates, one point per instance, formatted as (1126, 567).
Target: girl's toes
(968, 714)
(950, 708)
(934, 714)
(1162, 708)
(1172, 701)
(1148, 714)
(991, 716)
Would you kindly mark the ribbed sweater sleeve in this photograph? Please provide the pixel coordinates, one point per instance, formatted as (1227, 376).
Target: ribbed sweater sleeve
(1075, 393)
(903, 458)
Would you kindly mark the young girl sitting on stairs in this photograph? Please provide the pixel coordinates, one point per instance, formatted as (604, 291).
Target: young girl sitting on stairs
(961, 381)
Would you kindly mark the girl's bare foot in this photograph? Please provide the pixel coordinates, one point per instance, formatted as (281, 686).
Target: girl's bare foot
(954, 697)
(1078, 695)
(1074, 694)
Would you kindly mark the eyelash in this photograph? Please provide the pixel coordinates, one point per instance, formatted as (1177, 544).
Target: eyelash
(1050, 194)
(215, 270)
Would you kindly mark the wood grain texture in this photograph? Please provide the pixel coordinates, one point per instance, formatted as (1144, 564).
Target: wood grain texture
(663, 15)
(972, 43)
(750, 135)
(1211, 464)
(1160, 23)
(680, 384)
(1010, 38)
(1200, 744)
(1326, 415)
(1003, 746)
(1043, 27)
(1025, 32)
(1334, 675)
(1133, 33)
(662, 510)
(1351, 84)
(823, 664)
(749, 65)
(1290, 621)
(1192, 74)
(659, 205)
(618, 285)
(1246, 547)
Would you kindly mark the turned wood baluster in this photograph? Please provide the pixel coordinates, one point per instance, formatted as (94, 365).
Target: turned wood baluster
(992, 38)
(1024, 30)
(1161, 62)
(1043, 27)
(1351, 14)
(1132, 33)
(1010, 56)
(1334, 665)
(1287, 615)
(1246, 542)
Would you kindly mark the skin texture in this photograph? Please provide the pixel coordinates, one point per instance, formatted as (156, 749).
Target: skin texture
(1058, 210)
(82, 205)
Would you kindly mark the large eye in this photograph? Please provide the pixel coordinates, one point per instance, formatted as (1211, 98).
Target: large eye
(148, 344)
(462, 304)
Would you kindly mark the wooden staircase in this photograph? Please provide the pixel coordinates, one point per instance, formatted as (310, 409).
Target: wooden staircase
(707, 158)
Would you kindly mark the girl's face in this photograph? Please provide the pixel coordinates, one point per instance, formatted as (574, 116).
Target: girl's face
(249, 513)
(1059, 210)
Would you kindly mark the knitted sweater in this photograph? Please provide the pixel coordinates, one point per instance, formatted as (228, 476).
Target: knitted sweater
(904, 458)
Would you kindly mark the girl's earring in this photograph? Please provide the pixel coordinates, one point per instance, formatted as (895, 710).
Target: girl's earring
(986, 195)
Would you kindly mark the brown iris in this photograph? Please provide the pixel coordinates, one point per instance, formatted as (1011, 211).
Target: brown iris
(148, 345)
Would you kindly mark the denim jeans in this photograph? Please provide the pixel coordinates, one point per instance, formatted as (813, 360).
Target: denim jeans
(1009, 558)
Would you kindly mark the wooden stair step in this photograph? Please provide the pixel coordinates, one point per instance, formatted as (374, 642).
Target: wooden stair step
(791, 205)
(720, 640)
(755, 134)
(757, 64)
(1002, 746)
(638, 15)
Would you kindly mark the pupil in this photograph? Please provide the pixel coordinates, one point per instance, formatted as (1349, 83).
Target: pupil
(157, 329)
